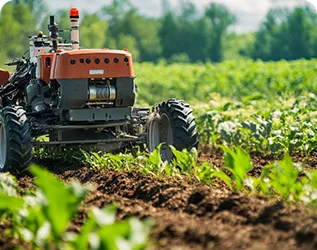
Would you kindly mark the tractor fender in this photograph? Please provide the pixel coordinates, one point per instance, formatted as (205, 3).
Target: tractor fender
(4, 76)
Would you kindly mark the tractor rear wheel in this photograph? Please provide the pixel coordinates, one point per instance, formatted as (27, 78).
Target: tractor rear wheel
(15, 141)
(172, 123)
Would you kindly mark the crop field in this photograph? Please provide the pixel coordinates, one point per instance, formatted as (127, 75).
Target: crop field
(252, 184)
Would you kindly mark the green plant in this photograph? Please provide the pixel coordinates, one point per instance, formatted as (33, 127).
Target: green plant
(101, 232)
(238, 162)
(10, 202)
(310, 196)
(283, 178)
(42, 218)
(62, 155)
(279, 178)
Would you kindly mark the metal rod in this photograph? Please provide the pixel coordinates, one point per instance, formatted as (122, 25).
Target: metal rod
(69, 127)
(38, 143)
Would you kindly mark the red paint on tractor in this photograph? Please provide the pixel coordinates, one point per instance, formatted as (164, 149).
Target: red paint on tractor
(4, 76)
(79, 64)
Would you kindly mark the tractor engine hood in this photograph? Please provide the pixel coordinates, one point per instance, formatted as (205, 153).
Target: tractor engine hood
(90, 63)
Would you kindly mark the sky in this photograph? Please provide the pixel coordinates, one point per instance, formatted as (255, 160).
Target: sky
(250, 13)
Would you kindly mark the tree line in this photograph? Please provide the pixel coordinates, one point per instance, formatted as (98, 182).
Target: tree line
(184, 34)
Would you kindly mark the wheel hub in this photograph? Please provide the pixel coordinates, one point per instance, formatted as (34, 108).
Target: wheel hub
(160, 131)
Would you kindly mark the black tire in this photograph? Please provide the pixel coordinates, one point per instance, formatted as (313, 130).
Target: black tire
(16, 146)
(177, 118)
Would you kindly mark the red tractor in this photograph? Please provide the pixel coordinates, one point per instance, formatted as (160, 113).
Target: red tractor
(81, 97)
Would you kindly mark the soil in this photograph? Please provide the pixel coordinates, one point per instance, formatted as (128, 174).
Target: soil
(190, 215)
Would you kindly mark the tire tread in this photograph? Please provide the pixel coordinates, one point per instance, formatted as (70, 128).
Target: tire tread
(183, 123)
(19, 153)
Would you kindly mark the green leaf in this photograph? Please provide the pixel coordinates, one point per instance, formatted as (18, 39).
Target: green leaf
(238, 162)
(283, 178)
(313, 178)
(109, 235)
(8, 184)
(222, 176)
(226, 106)
(155, 157)
(82, 241)
(62, 202)
(10, 203)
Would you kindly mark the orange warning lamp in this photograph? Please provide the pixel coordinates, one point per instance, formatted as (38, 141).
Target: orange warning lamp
(74, 13)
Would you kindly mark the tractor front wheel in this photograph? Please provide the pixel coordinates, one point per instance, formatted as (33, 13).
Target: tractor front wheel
(15, 141)
(172, 123)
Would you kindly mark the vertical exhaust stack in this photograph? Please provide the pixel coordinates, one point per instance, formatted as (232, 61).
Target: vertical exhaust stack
(74, 18)
(53, 29)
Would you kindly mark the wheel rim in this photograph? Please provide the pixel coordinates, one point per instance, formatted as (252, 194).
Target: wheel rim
(3, 145)
(160, 131)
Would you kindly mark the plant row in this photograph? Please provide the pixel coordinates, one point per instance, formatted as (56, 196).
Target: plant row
(41, 219)
(261, 125)
(283, 179)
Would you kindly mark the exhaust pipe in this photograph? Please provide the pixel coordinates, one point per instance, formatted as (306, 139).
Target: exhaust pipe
(74, 18)
(53, 29)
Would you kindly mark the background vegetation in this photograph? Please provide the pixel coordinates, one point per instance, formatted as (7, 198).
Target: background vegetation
(179, 35)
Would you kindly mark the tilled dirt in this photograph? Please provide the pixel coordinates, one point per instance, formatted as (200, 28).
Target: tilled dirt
(189, 215)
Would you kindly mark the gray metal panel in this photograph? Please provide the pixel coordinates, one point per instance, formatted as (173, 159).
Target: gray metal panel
(73, 93)
(125, 92)
(98, 115)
